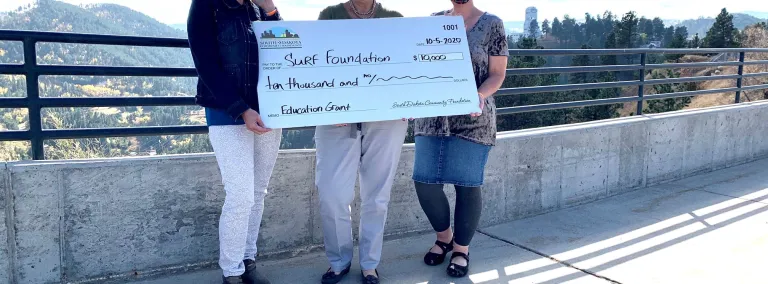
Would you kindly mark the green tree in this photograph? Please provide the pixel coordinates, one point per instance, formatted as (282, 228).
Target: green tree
(722, 34)
(669, 35)
(626, 31)
(658, 29)
(533, 28)
(557, 28)
(695, 42)
(680, 40)
(545, 28)
(570, 28)
(671, 104)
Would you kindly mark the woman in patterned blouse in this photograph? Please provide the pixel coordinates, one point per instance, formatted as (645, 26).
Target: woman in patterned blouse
(454, 149)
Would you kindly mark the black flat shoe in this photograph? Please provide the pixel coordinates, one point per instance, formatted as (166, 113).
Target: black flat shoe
(433, 259)
(370, 279)
(455, 270)
(232, 280)
(331, 277)
(252, 275)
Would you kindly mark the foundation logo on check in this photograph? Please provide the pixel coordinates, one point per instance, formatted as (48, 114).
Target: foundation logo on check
(280, 38)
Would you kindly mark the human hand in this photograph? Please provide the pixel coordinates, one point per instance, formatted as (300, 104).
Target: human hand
(254, 123)
(408, 119)
(482, 106)
(266, 5)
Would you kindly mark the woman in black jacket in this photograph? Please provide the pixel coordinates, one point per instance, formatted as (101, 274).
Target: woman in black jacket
(226, 57)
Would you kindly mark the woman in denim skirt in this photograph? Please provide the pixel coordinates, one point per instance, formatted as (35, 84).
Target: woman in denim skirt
(454, 149)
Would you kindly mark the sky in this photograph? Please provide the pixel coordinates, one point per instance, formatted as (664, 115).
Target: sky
(175, 11)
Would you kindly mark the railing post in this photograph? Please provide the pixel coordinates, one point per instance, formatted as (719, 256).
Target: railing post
(641, 87)
(33, 99)
(741, 74)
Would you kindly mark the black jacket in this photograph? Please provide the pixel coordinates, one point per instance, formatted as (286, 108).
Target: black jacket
(225, 53)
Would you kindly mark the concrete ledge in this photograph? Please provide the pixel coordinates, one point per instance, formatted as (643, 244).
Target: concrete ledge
(5, 220)
(96, 220)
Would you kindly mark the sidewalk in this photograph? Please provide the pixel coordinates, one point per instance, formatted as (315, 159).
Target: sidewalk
(711, 228)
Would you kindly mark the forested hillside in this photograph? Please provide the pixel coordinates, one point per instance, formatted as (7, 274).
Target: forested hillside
(701, 26)
(48, 15)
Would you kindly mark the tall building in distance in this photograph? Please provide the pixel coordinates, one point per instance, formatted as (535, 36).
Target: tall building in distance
(531, 14)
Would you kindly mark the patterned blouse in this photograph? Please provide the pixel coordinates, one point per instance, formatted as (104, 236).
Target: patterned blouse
(487, 38)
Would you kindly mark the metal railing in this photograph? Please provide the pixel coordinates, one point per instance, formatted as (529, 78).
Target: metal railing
(34, 103)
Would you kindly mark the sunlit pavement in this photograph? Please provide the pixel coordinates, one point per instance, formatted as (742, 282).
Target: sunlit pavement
(711, 228)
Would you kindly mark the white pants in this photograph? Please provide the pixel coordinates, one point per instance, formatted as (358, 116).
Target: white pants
(246, 161)
(375, 152)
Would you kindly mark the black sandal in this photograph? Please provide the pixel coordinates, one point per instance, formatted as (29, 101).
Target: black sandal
(370, 279)
(433, 259)
(455, 270)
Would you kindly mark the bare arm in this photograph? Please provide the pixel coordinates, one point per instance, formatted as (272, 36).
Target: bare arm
(497, 73)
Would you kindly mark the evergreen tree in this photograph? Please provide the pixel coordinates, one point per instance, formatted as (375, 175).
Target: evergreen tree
(646, 25)
(695, 42)
(533, 28)
(545, 28)
(626, 31)
(658, 29)
(671, 104)
(679, 41)
(669, 35)
(557, 28)
(570, 28)
(722, 34)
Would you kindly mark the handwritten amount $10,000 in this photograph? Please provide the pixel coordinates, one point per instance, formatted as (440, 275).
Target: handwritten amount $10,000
(430, 57)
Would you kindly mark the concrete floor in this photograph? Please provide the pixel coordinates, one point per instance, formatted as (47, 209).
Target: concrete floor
(711, 228)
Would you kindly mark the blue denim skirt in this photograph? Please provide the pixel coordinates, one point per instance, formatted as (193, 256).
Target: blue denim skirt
(449, 160)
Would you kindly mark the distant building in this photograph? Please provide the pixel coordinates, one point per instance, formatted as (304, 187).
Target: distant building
(531, 14)
(514, 37)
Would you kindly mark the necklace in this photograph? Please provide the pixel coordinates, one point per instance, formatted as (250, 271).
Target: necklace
(363, 15)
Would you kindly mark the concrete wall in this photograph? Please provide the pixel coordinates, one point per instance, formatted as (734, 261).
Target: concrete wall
(105, 220)
(5, 263)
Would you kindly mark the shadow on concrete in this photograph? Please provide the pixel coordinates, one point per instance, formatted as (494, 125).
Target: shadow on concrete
(650, 221)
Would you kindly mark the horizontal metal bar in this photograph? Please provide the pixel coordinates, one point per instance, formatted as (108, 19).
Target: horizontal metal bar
(554, 52)
(563, 88)
(690, 93)
(692, 65)
(753, 75)
(754, 87)
(631, 51)
(14, 135)
(117, 102)
(690, 79)
(540, 107)
(579, 69)
(122, 132)
(115, 71)
(756, 62)
(14, 102)
(702, 50)
(12, 69)
(18, 35)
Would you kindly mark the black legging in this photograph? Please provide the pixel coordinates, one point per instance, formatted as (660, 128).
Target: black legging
(469, 205)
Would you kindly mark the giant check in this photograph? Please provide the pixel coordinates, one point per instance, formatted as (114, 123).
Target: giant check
(349, 71)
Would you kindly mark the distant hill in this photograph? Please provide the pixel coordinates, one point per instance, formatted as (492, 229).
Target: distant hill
(762, 15)
(56, 16)
(702, 25)
(182, 27)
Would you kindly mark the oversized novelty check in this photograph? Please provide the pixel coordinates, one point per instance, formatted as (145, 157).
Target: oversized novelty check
(348, 71)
